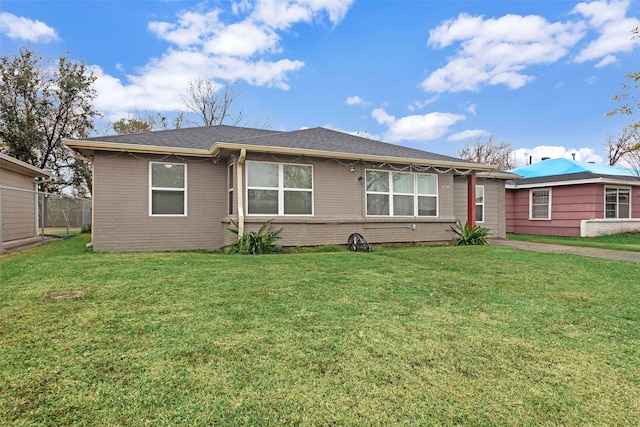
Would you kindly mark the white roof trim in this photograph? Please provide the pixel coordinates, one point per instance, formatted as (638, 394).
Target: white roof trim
(612, 181)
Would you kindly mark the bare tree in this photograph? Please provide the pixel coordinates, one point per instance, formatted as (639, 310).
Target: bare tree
(485, 151)
(215, 106)
(622, 146)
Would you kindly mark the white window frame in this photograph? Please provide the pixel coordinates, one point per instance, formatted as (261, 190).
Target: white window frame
(484, 214)
(281, 189)
(416, 195)
(617, 201)
(540, 190)
(152, 189)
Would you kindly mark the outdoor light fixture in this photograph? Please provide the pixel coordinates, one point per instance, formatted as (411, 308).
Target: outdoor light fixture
(353, 169)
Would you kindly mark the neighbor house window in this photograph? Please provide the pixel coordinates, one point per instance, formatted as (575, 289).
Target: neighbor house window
(168, 189)
(401, 193)
(540, 204)
(230, 189)
(480, 203)
(279, 189)
(617, 203)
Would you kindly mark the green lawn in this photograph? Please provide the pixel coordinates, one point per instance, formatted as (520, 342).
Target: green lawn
(622, 242)
(411, 336)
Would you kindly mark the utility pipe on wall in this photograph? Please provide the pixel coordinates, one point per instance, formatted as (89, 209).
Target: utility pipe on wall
(240, 192)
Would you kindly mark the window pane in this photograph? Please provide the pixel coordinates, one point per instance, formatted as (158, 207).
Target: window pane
(377, 204)
(623, 196)
(540, 198)
(403, 205)
(427, 184)
(167, 202)
(610, 210)
(377, 181)
(480, 194)
(230, 202)
(297, 203)
(403, 183)
(167, 175)
(479, 213)
(263, 202)
(296, 176)
(262, 174)
(230, 177)
(427, 206)
(623, 210)
(540, 211)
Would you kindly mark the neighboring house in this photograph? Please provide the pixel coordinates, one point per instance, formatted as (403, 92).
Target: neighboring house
(179, 189)
(562, 197)
(18, 200)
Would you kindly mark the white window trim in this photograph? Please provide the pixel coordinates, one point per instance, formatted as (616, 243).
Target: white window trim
(415, 195)
(151, 189)
(484, 212)
(281, 190)
(537, 190)
(617, 188)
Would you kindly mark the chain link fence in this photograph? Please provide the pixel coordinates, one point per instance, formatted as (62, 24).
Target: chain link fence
(26, 215)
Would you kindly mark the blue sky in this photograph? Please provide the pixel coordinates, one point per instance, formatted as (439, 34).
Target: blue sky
(425, 74)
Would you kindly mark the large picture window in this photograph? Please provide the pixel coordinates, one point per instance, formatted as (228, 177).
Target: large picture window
(168, 189)
(401, 193)
(617, 203)
(540, 204)
(279, 189)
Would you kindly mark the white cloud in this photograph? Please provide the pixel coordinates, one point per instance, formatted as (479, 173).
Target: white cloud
(355, 100)
(423, 128)
(419, 105)
(497, 50)
(206, 46)
(471, 109)
(585, 154)
(470, 134)
(609, 59)
(609, 19)
(19, 28)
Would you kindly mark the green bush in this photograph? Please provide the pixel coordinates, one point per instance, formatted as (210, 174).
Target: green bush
(255, 242)
(467, 236)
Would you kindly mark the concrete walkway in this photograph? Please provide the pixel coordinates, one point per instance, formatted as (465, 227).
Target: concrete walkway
(575, 250)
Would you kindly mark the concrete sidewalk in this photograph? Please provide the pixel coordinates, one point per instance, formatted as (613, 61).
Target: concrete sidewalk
(575, 250)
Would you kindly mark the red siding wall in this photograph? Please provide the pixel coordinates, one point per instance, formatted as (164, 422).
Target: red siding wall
(570, 204)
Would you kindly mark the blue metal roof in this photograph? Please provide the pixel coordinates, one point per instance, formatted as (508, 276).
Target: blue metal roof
(563, 166)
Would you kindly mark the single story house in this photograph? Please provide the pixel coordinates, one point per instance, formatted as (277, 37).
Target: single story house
(18, 199)
(180, 189)
(562, 197)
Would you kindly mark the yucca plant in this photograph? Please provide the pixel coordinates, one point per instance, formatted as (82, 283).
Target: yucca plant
(255, 242)
(467, 236)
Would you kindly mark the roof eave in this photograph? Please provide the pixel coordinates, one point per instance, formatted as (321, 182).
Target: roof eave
(349, 156)
(22, 167)
(84, 145)
(216, 148)
(599, 180)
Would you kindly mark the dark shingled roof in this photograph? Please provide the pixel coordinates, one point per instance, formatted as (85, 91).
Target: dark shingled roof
(308, 139)
(199, 137)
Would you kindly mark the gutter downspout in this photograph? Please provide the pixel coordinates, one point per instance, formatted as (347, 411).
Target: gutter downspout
(240, 192)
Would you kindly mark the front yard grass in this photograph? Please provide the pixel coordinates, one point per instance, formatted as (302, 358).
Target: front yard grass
(415, 336)
(621, 242)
